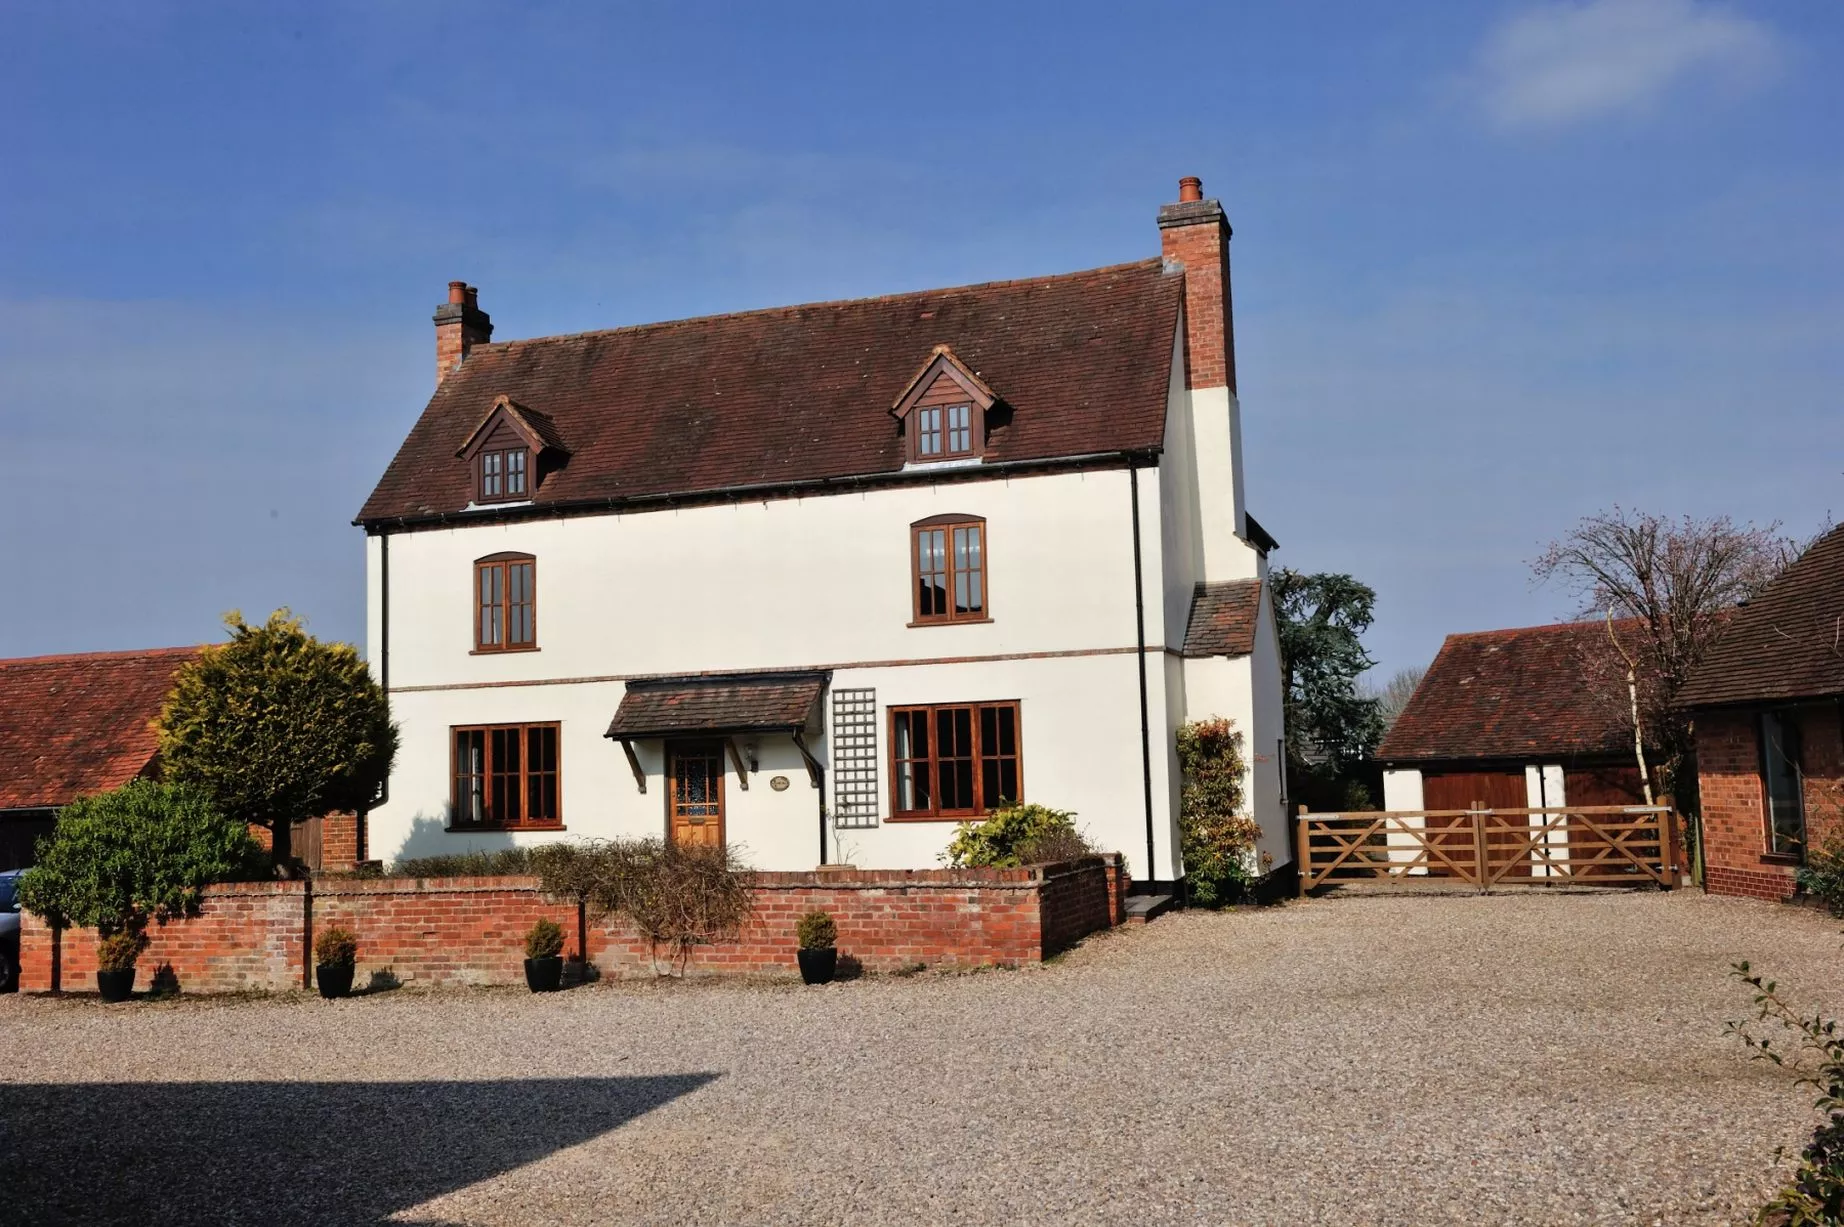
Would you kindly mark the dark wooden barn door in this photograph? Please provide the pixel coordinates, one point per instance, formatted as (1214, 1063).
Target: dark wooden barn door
(1450, 790)
(1592, 786)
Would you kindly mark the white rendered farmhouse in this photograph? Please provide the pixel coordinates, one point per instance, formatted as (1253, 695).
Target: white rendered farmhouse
(821, 581)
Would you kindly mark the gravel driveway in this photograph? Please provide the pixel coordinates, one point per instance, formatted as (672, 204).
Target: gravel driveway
(1540, 1059)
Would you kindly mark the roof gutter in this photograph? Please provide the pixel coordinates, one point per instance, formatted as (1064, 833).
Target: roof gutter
(1126, 458)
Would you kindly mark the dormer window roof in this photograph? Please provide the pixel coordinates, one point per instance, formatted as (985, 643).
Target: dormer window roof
(506, 449)
(943, 410)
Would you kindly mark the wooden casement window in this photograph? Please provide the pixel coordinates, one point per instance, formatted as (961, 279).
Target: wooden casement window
(507, 776)
(1783, 782)
(502, 475)
(948, 560)
(954, 761)
(506, 603)
(944, 432)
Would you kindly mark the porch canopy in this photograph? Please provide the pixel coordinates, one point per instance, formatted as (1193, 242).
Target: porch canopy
(724, 707)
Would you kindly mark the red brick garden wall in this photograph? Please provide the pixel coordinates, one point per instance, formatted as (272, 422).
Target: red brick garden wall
(1735, 857)
(469, 930)
(249, 935)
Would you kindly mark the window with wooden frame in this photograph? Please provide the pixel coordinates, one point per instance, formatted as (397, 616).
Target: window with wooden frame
(944, 432)
(1783, 782)
(506, 603)
(948, 559)
(954, 761)
(501, 475)
(507, 776)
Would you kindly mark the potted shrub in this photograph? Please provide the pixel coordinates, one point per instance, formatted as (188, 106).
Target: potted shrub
(818, 954)
(544, 956)
(115, 956)
(336, 953)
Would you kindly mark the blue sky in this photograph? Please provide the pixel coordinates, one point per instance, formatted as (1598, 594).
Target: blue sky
(1496, 266)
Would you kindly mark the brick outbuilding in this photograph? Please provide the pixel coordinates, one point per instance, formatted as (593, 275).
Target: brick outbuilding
(1766, 707)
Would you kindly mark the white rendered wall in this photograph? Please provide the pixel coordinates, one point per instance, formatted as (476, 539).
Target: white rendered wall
(1180, 528)
(1543, 788)
(1216, 418)
(1267, 756)
(1402, 792)
(821, 582)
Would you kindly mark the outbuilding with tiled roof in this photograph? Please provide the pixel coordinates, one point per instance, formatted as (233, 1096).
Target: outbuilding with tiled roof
(71, 726)
(1767, 707)
(1523, 718)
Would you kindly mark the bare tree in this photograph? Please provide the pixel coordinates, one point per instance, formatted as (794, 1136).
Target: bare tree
(1676, 581)
(1396, 693)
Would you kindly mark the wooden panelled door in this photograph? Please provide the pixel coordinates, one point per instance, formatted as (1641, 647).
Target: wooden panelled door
(1451, 790)
(695, 792)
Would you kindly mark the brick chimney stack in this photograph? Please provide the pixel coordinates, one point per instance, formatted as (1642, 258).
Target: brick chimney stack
(1194, 236)
(460, 325)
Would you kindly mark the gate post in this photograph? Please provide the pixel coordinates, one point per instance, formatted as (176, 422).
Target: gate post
(1303, 850)
(1482, 872)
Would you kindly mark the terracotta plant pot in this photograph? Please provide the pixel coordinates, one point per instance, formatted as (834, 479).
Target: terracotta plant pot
(333, 979)
(115, 985)
(818, 966)
(544, 975)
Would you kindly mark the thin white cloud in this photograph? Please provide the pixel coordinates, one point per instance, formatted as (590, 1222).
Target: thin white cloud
(1579, 60)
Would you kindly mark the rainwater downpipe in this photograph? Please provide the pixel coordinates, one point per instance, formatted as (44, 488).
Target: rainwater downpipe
(1139, 614)
(384, 681)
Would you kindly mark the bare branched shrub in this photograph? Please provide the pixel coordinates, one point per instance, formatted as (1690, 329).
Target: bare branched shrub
(1055, 846)
(675, 896)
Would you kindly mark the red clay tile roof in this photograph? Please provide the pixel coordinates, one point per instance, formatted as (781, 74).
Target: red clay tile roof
(1512, 694)
(1786, 643)
(75, 725)
(777, 702)
(1081, 363)
(1223, 618)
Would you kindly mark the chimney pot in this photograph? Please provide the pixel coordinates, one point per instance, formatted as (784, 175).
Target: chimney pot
(1190, 188)
(457, 292)
(473, 296)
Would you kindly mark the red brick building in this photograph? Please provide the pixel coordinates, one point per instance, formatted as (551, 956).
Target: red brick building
(71, 726)
(1766, 708)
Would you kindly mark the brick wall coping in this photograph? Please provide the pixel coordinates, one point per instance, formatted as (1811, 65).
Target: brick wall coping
(844, 879)
(232, 890)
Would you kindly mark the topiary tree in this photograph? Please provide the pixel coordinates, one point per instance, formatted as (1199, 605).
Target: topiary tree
(119, 859)
(277, 727)
(1215, 836)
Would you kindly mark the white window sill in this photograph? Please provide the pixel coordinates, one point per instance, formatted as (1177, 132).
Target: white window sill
(924, 466)
(524, 502)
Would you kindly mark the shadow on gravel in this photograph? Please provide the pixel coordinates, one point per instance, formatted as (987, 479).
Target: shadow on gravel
(273, 1153)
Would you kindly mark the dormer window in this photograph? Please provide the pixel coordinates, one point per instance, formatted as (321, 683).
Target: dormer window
(506, 451)
(944, 411)
(503, 475)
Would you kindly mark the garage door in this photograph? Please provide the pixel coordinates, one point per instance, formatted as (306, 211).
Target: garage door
(1448, 790)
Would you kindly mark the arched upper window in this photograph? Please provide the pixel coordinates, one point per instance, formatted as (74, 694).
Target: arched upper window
(506, 603)
(948, 561)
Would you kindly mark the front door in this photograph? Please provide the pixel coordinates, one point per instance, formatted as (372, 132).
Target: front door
(695, 792)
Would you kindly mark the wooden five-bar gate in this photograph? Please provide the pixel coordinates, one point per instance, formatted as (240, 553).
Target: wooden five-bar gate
(1601, 845)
